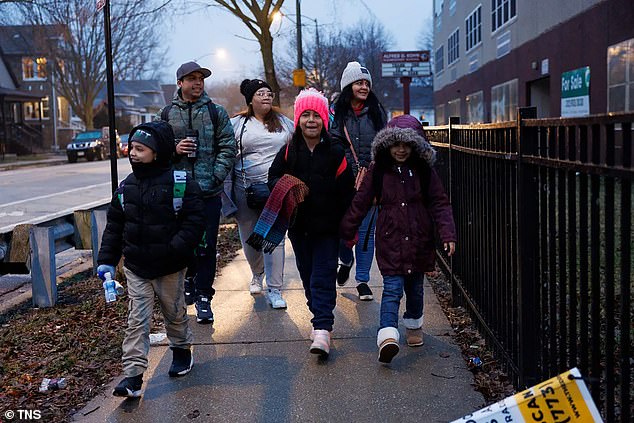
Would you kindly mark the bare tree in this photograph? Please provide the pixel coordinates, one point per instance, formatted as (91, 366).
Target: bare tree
(425, 41)
(258, 20)
(79, 54)
(363, 43)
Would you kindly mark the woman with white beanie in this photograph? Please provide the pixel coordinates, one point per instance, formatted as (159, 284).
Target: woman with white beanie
(358, 116)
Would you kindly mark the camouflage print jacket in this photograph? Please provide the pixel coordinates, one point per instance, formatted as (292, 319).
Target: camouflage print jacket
(216, 146)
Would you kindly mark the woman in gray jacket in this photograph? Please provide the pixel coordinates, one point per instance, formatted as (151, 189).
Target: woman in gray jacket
(260, 132)
(358, 117)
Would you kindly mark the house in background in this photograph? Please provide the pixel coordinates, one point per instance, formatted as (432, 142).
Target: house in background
(29, 61)
(16, 136)
(135, 101)
(566, 58)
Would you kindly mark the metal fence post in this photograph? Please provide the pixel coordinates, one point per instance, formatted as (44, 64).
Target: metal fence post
(527, 250)
(453, 120)
(98, 224)
(43, 270)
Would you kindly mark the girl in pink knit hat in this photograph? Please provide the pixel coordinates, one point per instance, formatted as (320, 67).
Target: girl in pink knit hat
(313, 158)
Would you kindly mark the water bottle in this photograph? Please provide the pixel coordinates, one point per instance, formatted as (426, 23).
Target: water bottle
(109, 287)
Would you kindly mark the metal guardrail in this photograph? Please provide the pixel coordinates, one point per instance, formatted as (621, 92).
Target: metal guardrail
(32, 248)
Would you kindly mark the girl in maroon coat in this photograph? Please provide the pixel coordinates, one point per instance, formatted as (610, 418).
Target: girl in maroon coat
(412, 204)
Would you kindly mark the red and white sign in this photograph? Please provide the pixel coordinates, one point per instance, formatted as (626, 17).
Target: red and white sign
(100, 5)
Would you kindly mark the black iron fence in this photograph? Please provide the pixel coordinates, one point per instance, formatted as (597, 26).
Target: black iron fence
(543, 209)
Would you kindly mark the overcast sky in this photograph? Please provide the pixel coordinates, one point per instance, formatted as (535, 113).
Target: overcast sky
(205, 31)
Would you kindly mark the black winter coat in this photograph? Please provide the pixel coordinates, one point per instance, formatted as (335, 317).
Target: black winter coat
(330, 182)
(361, 131)
(153, 239)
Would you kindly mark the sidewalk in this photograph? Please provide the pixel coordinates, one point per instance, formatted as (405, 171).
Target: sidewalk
(253, 365)
(47, 159)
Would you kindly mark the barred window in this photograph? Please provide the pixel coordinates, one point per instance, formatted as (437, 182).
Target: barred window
(453, 47)
(440, 59)
(502, 11)
(504, 101)
(473, 28)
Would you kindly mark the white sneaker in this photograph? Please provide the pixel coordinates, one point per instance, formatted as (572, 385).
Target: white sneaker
(275, 298)
(255, 287)
(321, 343)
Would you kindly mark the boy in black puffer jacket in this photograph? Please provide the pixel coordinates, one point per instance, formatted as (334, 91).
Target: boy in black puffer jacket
(156, 228)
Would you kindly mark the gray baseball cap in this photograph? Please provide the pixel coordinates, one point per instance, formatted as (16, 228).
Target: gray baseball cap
(189, 67)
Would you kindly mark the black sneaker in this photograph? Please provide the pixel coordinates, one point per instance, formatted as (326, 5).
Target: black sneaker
(343, 273)
(190, 290)
(365, 293)
(204, 315)
(182, 362)
(129, 387)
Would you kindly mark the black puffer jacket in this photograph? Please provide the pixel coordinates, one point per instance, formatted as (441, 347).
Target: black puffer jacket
(329, 179)
(361, 131)
(154, 240)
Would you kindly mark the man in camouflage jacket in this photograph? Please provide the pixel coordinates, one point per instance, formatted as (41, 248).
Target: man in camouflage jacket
(215, 151)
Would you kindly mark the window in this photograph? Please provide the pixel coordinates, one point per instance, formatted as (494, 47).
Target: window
(32, 110)
(438, 4)
(453, 47)
(504, 101)
(440, 117)
(502, 11)
(34, 68)
(453, 107)
(452, 7)
(440, 59)
(473, 29)
(621, 77)
(475, 107)
(44, 107)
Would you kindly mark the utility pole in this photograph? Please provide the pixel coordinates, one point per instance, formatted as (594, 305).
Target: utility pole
(318, 59)
(110, 85)
(300, 59)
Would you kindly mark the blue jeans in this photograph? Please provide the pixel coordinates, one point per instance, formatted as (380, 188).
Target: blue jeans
(393, 287)
(364, 258)
(203, 265)
(316, 259)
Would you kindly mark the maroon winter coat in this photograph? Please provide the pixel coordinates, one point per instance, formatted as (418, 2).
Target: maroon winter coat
(404, 235)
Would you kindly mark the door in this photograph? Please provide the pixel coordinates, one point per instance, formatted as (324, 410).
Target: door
(539, 96)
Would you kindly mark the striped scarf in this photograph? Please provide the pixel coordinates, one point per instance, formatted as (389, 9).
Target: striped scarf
(275, 218)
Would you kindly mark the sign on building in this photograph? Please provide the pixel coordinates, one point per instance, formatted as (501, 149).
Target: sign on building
(405, 63)
(575, 92)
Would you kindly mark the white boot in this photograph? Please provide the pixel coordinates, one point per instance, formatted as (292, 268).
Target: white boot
(387, 341)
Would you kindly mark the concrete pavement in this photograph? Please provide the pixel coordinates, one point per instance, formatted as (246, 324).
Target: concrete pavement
(253, 365)
(47, 159)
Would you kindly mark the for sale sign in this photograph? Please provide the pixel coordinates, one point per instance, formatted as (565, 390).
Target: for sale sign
(564, 398)
(575, 92)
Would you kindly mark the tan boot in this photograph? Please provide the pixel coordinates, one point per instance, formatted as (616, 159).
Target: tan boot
(414, 337)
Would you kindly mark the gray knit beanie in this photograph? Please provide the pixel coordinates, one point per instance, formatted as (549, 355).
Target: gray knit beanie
(354, 72)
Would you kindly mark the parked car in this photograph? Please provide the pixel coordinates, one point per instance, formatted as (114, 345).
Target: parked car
(91, 145)
(124, 145)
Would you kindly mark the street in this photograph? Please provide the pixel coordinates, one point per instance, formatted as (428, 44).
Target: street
(34, 195)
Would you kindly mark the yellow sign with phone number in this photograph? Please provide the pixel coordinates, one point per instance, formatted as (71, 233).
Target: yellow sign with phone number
(561, 399)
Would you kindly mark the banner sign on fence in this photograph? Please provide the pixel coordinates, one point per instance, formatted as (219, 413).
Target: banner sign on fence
(575, 92)
(564, 398)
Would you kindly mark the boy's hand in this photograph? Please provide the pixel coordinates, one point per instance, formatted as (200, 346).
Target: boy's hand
(102, 269)
(450, 248)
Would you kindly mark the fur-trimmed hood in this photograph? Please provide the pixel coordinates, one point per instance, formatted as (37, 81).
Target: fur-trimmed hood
(387, 137)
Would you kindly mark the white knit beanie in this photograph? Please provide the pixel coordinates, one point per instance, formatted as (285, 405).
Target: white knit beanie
(354, 72)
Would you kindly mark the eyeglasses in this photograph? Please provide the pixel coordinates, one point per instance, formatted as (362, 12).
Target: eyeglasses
(265, 94)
